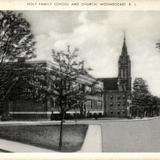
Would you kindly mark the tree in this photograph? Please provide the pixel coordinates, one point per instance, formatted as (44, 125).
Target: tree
(30, 84)
(16, 40)
(140, 91)
(142, 100)
(140, 94)
(67, 91)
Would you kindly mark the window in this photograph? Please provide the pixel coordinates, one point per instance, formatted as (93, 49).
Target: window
(111, 104)
(118, 113)
(94, 104)
(124, 96)
(89, 104)
(121, 73)
(52, 103)
(111, 97)
(119, 104)
(118, 97)
(125, 73)
(111, 112)
(99, 104)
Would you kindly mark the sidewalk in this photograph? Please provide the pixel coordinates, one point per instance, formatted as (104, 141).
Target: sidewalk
(48, 122)
(127, 119)
(92, 143)
(10, 123)
(12, 146)
(93, 139)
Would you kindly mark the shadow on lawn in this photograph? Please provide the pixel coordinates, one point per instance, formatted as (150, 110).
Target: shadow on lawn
(46, 136)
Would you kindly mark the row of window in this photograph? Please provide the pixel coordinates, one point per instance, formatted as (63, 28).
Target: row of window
(118, 104)
(93, 104)
(118, 113)
(119, 97)
(89, 104)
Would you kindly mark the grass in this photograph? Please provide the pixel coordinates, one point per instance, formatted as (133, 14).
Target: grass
(46, 136)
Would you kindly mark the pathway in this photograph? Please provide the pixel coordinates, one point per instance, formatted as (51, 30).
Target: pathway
(12, 146)
(93, 139)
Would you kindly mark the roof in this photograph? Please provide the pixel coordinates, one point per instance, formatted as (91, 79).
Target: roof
(48, 65)
(124, 48)
(109, 83)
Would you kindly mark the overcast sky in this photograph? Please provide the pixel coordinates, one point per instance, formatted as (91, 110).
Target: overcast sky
(99, 37)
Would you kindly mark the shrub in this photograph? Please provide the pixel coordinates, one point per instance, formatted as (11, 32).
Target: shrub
(99, 114)
(55, 117)
(95, 115)
(6, 117)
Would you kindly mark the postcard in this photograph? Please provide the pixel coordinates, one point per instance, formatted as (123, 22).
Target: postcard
(79, 79)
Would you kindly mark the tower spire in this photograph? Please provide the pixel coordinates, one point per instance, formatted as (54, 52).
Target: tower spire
(124, 48)
(124, 39)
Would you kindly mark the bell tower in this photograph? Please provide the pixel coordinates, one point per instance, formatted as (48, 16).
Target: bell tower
(124, 69)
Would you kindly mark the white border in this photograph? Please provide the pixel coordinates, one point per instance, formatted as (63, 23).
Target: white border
(24, 5)
(67, 5)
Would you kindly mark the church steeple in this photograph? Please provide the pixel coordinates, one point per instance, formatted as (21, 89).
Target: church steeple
(124, 67)
(124, 48)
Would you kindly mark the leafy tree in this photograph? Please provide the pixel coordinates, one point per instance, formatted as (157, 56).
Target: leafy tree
(16, 40)
(152, 104)
(30, 83)
(142, 99)
(67, 91)
(140, 93)
(140, 90)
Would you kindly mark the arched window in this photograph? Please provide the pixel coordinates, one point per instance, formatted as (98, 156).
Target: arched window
(121, 73)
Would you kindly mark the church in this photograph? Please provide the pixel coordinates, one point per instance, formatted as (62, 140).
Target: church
(117, 90)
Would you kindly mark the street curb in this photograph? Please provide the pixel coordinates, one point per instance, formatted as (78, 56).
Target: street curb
(48, 122)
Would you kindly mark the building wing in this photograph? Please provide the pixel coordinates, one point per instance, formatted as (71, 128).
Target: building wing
(110, 83)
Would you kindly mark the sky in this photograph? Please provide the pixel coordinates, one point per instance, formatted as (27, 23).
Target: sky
(99, 37)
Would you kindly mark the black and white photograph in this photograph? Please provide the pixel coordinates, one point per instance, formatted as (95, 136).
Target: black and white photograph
(79, 81)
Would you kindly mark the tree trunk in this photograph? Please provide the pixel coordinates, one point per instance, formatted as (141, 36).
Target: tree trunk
(61, 132)
(75, 116)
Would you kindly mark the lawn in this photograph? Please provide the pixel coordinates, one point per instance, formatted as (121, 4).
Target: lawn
(46, 136)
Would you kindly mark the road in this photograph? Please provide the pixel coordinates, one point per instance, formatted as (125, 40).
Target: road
(130, 135)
